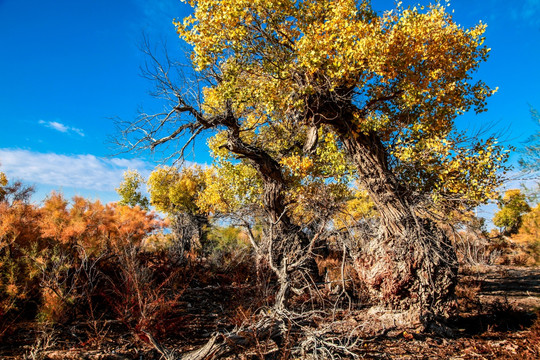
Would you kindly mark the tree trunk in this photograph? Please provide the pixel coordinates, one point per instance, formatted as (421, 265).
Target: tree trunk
(285, 246)
(411, 265)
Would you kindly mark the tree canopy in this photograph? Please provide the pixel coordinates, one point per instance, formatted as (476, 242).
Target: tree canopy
(129, 190)
(513, 205)
(404, 75)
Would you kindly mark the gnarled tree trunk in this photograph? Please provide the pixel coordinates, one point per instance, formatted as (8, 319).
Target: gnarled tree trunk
(285, 246)
(411, 265)
(189, 231)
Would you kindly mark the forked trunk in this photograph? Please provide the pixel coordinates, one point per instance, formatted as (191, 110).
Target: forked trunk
(411, 265)
(285, 246)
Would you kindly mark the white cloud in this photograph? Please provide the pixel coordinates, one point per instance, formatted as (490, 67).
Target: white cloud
(78, 131)
(55, 125)
(75, 171)
(128, 163)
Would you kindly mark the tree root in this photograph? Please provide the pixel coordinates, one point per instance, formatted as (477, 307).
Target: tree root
(310, 335)
(223, 344)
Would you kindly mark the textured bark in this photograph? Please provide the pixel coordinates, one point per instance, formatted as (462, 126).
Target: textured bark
(189, 231)
(411, 265)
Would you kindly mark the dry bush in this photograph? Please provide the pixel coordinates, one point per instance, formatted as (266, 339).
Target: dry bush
(467, 291)
(534, 249)
(514, 254)
(474, 249)
(527, 251)
(340, 278)
(60, 285)
(52, 257)
(45, 339)
(19, 280)
(241, 316)
(143, 292)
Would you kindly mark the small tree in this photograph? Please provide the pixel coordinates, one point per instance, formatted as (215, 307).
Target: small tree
(129, 190)
(529, 232)
(3, 183)
(175, 192)
(513, 206)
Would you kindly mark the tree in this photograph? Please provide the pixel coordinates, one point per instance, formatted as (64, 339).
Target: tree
(529, 231)
(282, 77)
(14, 191)
(129, 190)
(176, 192)
(513, 206)
(531, 159)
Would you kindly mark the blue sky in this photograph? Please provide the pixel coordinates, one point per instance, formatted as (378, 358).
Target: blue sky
(67, 67)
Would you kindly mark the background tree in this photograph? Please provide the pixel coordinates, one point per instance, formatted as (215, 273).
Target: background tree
(14, 191)
(129, 190)
(3, 183)
(176, 193)
(357, 209)
(531, 157)
(529, 232)
(513, 206)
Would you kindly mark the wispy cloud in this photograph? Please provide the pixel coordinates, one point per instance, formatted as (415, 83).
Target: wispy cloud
(55, 125)
(75, 171)
(527, 12)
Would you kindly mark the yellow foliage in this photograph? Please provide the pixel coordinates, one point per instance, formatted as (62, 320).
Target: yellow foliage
(309, 178)
(404, 75)
(3, 180)
(173, 190)
(358, 207)
(229, 187)
(529, 232)
(339, 42)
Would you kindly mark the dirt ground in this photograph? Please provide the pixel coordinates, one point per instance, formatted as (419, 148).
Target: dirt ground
(498, 319)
